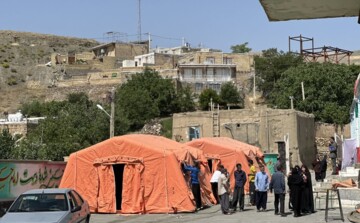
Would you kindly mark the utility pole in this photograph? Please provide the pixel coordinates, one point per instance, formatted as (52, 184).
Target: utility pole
(112, 114)
(302, 90)
(149, 35)
(292, 101)
(139, 21)
(254, 95)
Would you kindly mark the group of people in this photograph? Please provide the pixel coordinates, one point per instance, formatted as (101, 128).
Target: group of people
(258, 187)
(299, 183)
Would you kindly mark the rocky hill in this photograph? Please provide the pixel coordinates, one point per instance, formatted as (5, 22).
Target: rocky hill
(23, 56)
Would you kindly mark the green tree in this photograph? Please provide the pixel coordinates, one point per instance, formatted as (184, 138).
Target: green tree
(7, 144)
(229, 95)
(185, 100)
(270, 66)
(147, 95)
(77, 124)
(240, 48)
(328, 90)
(205, 98)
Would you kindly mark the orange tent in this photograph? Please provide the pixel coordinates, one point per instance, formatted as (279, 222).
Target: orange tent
(131, 173)
(252, 152)
(190, 155)
(229, 155)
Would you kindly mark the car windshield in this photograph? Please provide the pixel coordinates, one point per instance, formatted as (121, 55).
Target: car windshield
(40, 202)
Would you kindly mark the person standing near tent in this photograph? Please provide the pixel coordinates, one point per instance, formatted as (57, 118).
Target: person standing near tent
(240, 180)
(277, 184)
(317, 168)
(214, 182)
(195, 183)
(323, 167)
(295, 183)
(261, 188)
(252, 182)
(333, 154)
(223, 191)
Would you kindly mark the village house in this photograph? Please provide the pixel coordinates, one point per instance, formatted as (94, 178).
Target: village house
(264, 127)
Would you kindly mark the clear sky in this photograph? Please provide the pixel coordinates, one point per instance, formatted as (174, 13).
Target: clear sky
(213, 23)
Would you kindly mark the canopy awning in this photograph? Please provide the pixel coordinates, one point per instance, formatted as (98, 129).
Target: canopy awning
(282, 10)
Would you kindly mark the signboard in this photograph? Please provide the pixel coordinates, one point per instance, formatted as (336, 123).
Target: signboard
(17, 177)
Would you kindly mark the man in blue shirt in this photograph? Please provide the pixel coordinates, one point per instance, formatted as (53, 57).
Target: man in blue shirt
(240, 180)
(261, 188)
(195, 184)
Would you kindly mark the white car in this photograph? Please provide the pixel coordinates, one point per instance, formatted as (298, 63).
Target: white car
(48, 205)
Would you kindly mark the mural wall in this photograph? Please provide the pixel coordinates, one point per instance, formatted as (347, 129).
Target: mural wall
(17, 177)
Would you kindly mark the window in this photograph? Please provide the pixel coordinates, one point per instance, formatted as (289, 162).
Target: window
(227, 60)
(77, 197)
(198, 74)
(72, 201)
(210, 74)
(194, 132)
(210, 60)
(187, 74)
(198, 87)
(215, 87)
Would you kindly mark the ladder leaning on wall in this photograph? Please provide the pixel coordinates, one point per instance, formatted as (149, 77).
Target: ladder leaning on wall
(216, 120)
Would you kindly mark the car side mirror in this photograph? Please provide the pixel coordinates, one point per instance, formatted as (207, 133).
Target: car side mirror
(75, 209)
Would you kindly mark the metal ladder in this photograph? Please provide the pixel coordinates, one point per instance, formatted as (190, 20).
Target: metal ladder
(216, 121)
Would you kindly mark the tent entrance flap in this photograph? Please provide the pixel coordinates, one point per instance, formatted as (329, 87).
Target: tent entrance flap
(119, 176)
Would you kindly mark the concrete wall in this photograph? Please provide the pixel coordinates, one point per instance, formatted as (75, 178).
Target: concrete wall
(261, 127)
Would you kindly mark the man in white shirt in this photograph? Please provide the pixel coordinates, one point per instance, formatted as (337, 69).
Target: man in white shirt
(223, 191)
(214, 182)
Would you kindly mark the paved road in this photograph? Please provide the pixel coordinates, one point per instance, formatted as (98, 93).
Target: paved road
(213, 215)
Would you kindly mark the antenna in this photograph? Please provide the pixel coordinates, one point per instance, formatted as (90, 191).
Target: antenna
(139, 21)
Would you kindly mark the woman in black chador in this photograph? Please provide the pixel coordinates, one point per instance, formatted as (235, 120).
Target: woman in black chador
(295, 183)
(307, 203)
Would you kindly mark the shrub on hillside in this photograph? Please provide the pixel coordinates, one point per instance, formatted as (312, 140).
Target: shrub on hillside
(11, 80)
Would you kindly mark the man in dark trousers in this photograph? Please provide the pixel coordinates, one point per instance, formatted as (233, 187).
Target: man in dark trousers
(214, 182)
(195, 184)
(252, 182)
(240, 180)
(333, 154)
(277, 184)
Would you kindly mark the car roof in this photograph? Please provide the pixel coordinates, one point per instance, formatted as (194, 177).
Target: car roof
(48, 191)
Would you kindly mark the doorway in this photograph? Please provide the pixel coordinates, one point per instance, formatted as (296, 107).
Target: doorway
(210, 165)
(119, 175)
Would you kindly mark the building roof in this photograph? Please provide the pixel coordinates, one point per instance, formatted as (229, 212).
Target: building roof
(282, 10)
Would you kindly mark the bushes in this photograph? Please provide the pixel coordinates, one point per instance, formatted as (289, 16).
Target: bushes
(5, 65)
(11, 80)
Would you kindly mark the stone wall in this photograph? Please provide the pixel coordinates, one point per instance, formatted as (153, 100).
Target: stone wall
(125, 51)
(326, 130)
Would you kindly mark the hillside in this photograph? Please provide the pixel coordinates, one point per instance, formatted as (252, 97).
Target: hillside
(23, 56)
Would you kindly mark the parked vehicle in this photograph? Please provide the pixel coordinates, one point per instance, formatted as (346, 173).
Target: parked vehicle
(48, 205)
